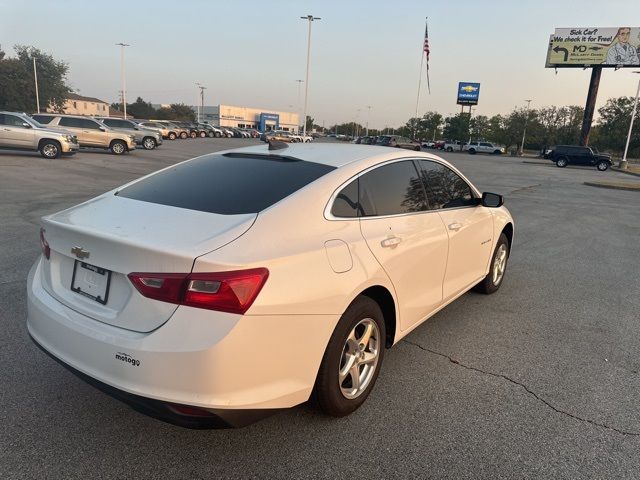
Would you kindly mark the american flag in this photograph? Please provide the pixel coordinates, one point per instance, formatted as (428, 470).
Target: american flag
(426, 41)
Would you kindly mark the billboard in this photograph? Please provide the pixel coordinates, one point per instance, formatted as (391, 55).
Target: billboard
(468, 93)
(615, 47)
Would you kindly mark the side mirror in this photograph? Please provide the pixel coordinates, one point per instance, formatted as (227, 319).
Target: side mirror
(492, 200)
(26, 125)
(102, 129)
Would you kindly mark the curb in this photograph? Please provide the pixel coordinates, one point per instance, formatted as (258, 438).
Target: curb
(626, 172)
(614, 186)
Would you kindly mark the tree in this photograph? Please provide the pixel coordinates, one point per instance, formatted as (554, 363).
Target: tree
(176, 111)
(310, 121)
(17, 86)
(613, 126)
(141, 109)
(456, 127)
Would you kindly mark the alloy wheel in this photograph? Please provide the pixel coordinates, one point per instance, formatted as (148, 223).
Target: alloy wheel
(499, 264)
(50, 150)
(359, 358)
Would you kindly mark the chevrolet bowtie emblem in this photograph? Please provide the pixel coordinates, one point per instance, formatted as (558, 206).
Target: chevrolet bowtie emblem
(80, 252)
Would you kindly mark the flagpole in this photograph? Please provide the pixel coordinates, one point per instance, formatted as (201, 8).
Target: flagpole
(419, 84)
(423, 53)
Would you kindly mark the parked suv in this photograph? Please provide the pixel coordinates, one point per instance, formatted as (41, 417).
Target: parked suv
(397, 141)
(483, 147)
(21, 132)
(146, 138)
(161, 128)
(179, 130)
(564, 155)
(90, 132)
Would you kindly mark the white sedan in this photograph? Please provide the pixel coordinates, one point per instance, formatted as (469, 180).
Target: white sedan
(224, 288)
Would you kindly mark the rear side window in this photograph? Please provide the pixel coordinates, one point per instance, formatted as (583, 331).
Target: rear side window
(445, 188)
(70, 122)
(345, 204)
(229, 184)
(391, 189)
(11, 120)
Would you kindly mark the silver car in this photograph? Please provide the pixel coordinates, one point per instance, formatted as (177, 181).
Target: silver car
(146, 138)
(21, 132)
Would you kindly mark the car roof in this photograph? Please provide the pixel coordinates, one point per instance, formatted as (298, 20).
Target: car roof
(332, 154)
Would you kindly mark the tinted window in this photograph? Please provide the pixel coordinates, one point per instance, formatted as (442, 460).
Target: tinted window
(346, 202)
(445, 188)
(227, 184)
(485, 144)
(391, 189)
(43, 119)
(89, 124)
(116, 123)
(70, 122)
(11, 120)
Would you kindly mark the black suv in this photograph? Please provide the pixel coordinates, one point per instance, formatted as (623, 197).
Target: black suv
(564, 155)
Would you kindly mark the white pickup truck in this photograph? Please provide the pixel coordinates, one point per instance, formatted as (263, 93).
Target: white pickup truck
(483, 147)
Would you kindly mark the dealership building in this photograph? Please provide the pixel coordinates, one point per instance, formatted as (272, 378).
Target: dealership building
(246, 117)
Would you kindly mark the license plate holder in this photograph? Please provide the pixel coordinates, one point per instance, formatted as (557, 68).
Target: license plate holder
(91, 281)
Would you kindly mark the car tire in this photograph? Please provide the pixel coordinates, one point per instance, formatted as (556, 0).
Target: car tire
(497, 152)
(218, 134)
(211, 134)
(203, 134)
(149, 143)
(417, 149)
(183, 135)
(602, 166)
(562, 162)
(193, 134)
(491, 283)
(50, 149)
(172, 136)
(472, 151)
(118, 147)
(449, 149)
(335, 392)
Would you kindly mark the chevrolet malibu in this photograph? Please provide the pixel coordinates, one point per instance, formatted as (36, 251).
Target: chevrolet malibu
(222, 289)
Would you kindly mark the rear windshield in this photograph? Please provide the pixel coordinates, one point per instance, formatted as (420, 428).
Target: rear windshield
(228, 184)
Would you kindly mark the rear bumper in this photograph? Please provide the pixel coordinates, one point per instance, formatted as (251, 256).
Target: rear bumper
(211, 360)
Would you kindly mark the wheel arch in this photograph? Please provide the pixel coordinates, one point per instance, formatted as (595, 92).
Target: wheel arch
(383, 297)
(42, 141)
(508, 231)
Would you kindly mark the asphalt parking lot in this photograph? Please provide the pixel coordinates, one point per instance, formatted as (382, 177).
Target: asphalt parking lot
(537, 381)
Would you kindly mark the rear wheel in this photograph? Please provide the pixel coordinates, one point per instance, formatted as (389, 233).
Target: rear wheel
(211, 134)
(50, 149)
(118, 147)
(449, 149)
(562, 162)
(352, 360)
(472, 151)
(602, 166)
(149, 143)
(183, 135)
(193, 134)
(493, 280)
(417, 149)
(172, 136)
(218, 134)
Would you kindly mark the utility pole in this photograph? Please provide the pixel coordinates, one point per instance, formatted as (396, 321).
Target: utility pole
(524, 130)
(590, 106)
(201, 109)
(310, 19)
(124, 86)
(298, 103)
(368, 114)
(35, 76)
(623, 162)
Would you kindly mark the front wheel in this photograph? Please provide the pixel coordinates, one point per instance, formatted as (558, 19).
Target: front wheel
(149, 143)
(562, 162)
(172, 136)
(50, 149)
(211, 134)
(183, 135)
(493, 280)
(352, 360)
(472, 151)
(449, 149)
(118, 147)
(203, 134)
(602, 166)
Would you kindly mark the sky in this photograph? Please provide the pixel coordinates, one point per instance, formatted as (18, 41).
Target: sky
(363, 53)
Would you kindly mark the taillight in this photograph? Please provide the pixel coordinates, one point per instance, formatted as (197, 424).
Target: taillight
(232, 292)
(44, 245)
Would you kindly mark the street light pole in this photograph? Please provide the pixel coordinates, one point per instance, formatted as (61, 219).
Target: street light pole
(368, 113)
(35, 76)
(309, 18)
(298, 103)
(124, 86)
(623, 162)
(201, 108)
(524, 131)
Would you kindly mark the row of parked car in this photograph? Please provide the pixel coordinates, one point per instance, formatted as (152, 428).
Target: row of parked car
(285, 136)
(54, 134)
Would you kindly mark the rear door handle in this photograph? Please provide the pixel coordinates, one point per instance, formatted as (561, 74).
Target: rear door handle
(455, 226)
(390, 242)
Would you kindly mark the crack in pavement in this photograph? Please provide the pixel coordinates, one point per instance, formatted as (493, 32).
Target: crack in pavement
(527, 389)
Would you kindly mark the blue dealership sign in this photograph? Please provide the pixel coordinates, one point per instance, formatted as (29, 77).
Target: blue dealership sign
(272, 118)
(468, 93)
